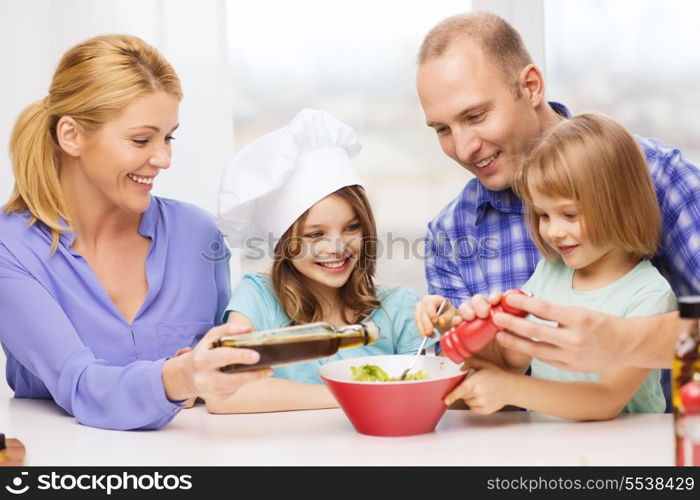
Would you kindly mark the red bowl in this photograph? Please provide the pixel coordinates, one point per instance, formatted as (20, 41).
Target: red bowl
(393, 408)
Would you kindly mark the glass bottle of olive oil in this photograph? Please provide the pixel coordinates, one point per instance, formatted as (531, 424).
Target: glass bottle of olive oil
(292, 344)
(686, 384)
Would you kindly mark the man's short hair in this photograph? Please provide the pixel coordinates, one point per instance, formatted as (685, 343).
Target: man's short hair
(499, 41)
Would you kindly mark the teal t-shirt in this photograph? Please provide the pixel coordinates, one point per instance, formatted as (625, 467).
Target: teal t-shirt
(256, 300)
(640, 292)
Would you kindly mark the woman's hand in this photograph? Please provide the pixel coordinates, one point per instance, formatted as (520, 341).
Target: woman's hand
(485, 391)
(197, 373)
(426, 317)
(190, 402)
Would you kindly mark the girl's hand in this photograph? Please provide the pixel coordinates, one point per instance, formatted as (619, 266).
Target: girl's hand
(478, 307)
(426, 317)
(197, 373)
(485, 391)
(516, 361)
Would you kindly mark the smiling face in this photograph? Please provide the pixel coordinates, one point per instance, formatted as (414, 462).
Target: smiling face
(117, 165)
(331, 240)
(562, 228)
(479, 121)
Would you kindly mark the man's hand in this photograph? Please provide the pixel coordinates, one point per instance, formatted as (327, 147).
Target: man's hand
(584, 341)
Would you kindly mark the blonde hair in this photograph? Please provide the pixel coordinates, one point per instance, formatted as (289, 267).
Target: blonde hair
(358, 294)
(94, 80)
(499, 41)
(596, 162)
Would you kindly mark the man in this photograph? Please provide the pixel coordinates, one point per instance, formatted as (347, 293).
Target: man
(485, 99)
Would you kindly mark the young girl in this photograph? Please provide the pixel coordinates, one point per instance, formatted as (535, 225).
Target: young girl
(595, 217)
(298, 188)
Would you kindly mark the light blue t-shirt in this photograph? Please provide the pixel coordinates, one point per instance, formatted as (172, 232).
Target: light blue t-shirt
(255, 298)
(640, 292)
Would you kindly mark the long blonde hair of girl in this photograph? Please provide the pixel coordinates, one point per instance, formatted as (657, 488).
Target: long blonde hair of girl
(358, 294)
(93, 81)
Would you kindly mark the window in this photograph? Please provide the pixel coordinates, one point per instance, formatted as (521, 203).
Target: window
(634, 60)
(359, 64)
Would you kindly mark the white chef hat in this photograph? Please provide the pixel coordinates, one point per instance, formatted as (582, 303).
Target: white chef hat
(275, 179)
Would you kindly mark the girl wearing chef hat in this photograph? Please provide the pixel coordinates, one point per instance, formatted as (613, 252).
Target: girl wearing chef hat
(297, 189)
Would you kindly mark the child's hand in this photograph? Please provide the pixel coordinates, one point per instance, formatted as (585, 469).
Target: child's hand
(426, 318)
(516, 361)
(485, 391)
(478, 307)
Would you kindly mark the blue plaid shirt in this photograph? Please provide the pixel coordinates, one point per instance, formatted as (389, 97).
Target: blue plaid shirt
(479, 242)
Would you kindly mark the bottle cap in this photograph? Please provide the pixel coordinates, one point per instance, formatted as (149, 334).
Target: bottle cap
(689, 306)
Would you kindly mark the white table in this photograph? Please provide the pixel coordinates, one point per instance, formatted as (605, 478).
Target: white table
(326, 437)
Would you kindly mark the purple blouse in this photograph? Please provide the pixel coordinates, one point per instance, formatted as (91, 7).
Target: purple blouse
(64, 338)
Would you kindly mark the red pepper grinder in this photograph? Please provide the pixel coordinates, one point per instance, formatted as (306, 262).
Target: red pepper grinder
(468, 337)
(690, 398)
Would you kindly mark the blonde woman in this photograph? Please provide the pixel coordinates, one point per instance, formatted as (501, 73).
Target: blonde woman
(593, 214)
(297, 189)
(100, 282)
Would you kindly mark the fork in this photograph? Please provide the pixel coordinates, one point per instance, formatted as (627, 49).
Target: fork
(422, 344)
